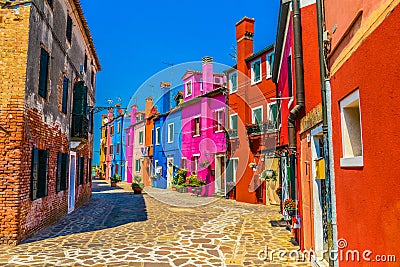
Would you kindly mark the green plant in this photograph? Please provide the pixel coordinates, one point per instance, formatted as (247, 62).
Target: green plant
(137, 185)
(194, 181)
(204, 164)
(137, 179)
(115, 178)
(179, 177)
(289, 204)
(268, 175)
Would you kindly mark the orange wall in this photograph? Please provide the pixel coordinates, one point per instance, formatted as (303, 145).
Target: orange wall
(368, 202)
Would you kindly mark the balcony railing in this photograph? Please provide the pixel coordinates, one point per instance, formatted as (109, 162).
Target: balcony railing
(80, 127)
(265, 127)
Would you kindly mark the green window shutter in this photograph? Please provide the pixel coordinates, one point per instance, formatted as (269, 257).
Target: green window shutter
(42, 173)
(59, 171)
(80, 99)
(64, 172)
(234, 121)
(34, 173)
(65, 96)
(44, 72)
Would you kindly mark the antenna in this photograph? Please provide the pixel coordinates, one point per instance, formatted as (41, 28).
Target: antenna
(234, 54)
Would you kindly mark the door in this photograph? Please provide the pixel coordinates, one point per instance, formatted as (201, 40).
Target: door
(320, 222)
(220, 174)
(170, 171)
(71, 186)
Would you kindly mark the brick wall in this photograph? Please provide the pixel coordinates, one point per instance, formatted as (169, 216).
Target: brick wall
(14, 32)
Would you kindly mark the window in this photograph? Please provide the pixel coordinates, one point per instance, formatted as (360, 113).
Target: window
(188, 89)
(91, 121)
(195, 163)
(272, 112)
(158, 136)
(111, 149)
(116, 168)
(39, 167)
(62, 172)
(170, 133)
(232, 170)
(219, 120)
(270, 63)
(85, 63)
(351, 131)
(196, 126)
(89, 170)
(257, 113)
(128, 136)
(64, 104)
(68, 32)
(233, 82)
(118, 148)
(44, 72)
(112, 130)
(156, 169)
(290, 76)
(119, 127)
(184, 163)
(256, 71)
(141, 137)
(92, 79)
(137, 165)
(201, 84)
(233, 125)
(81, 170)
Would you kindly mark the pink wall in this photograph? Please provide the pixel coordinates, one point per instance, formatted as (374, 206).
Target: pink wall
(110, 117)
(131, 145)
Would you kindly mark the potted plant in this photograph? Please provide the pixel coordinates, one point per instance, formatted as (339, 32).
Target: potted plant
(137, 188)
(253, 165)
(290, 206)
(115, 179)
(205, 164)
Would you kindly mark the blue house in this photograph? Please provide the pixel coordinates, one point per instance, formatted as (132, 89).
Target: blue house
(118, 141)
(167, 140)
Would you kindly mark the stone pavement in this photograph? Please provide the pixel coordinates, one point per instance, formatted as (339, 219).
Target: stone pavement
(160, 228)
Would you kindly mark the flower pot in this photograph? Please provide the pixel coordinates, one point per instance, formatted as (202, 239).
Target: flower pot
(113, 184)
(291, 212)
(174, 188)
(137, 190)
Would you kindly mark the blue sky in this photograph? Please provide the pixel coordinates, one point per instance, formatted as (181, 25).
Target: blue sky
(134, 38)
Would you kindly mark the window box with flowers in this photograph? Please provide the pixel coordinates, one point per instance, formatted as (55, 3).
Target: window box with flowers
(290, 207)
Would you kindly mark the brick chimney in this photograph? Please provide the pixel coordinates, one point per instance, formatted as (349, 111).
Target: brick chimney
(244, 39)
(207, 69)
(149, 105)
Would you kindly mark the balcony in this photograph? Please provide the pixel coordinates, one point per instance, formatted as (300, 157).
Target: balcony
(79, 128)
(268, 127)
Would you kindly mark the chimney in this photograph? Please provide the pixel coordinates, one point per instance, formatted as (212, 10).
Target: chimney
(244, 39)
(149, 106)
(134, 107)
(165, 94)
(207, 69)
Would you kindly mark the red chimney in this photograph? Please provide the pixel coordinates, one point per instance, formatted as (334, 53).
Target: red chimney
(244, 39)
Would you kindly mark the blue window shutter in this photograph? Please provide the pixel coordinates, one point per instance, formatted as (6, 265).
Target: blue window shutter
(44, 72)
(65, 96)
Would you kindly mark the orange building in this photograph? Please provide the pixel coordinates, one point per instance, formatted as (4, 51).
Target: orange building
(364, 77)
(252, 118)
(148, 158)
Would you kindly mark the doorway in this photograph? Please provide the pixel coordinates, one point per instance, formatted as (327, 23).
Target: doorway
(170, 171)
(72, 172)
(220, 174)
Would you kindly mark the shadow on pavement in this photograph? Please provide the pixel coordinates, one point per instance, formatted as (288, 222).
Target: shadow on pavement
(109, 207)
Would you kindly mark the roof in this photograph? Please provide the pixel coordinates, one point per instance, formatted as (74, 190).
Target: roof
(280, 32)
(87, 31)
(259, 53)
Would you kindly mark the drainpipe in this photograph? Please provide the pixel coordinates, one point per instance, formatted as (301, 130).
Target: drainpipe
(299, 74)
(325, 94)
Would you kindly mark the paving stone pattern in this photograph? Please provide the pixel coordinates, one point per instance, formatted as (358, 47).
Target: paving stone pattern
(118, 228)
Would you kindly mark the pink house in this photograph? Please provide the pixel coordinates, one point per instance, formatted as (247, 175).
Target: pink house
(203, 127)
(130, 144)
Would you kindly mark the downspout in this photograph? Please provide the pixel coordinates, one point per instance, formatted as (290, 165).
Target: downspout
(325, 85)
(299, 75)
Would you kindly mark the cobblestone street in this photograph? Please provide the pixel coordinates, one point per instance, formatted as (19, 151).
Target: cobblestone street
(160, 228)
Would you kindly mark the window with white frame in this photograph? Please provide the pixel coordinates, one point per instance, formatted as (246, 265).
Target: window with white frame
(219, 118)
(184, 163)
(272, 112)
(233, 86)
(137, 165)
(233, 124)
(129, 139)
(234, 165)
(156, 169)
(256, 71)
(196, 126)
(195, 162)
(170, 133)
(188, 88)
(158, 136)
(351, 131)
(257, 115)
(141, 137)
(269, 64)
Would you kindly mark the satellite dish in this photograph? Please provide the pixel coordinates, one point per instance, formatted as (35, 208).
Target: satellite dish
(105, 120)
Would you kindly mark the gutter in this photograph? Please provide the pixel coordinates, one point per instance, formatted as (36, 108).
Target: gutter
(299, 75)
